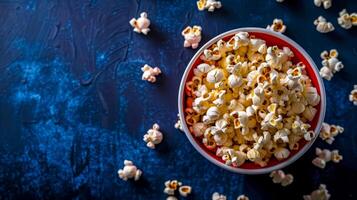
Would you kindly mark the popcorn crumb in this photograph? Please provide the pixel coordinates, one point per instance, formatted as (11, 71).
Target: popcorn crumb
(149, 73)
(353, 95)
(192, 36)
(322, 25)
(325, 3)
(210, 5)
(329, 132)
(153, 136)
(277, 26)
(330, 64)
(141, 25)
(217, 196)
(130, 171)
(346, 20)
(319, 194)
(280, 177)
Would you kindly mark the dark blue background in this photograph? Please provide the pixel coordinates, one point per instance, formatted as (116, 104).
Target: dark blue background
(73, 105)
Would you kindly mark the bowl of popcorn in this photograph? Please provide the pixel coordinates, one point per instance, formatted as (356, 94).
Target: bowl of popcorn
(251, 101)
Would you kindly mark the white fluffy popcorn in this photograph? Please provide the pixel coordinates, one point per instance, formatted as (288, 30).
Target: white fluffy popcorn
(322, 25)
(149, 73)
(320, 194)
(330, 64)
(185, 190)
(324, 156)
(153, 136)
(192, 36)
(171, 186)
(242, 197)
(346, 20)
(280, 177)
(277, 26)
(171, 198)
(250, 102)
(329, 132)
(130, 171)
(217, 196)
(325, 3)
(353, 95)
(210, 5)
(178, 124)
(141, 25)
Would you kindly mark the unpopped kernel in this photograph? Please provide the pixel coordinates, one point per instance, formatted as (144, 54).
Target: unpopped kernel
(353, 95)
(277, 26)
(319, 194)
(250, 102)
(141, 25)
(130, 171)
(153, 136)
(322, 25)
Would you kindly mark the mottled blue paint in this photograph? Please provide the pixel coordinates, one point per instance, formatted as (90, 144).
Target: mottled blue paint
(73, 105)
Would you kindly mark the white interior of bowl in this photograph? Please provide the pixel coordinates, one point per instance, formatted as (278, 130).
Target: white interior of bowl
(265, 169)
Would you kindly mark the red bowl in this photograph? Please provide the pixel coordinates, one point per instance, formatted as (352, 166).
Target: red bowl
(300, 55)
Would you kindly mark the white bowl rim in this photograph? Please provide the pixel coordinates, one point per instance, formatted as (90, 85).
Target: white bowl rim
(259, 170)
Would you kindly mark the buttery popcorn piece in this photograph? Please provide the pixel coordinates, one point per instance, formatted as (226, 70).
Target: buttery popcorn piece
(141, 25)
(353, 95)
(242, 197)
(250, 101)
(331, 64)
(329, 132)
(277, 26)
(324, 156)
(130, 171)
(149, 73)
(280, 177)
(325, 3)
(171, 186)
(185, 190)
(192, 36)
(153, 136)
(319, 194)
(346, 20)
(210, 5)
(217, 196)
(322, 25)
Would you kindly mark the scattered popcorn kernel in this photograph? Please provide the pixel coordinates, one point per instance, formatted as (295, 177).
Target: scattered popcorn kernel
(178, 124)
(353, 95)
(319, 194)
(277, 26)
(185, 190)
(280, 177)
(329, 132)
(325, 3)
(346, 20)
(153, 136)
(141, 25)
(171, 186)
(171, 198)
(192, 36)
(324, 156)
(330, 64)
(149, 73)
(242, 197)
(210, 5)
(217, 196)
(323, 26)
(250, 102)
(130, 171)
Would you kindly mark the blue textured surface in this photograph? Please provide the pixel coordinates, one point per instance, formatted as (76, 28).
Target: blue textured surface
(73, 106)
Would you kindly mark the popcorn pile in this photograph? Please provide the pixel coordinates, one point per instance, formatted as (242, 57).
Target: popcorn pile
(250, 102)
(330, 64)
(324, 156)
